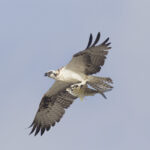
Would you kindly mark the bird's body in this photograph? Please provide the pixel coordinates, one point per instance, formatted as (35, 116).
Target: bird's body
(72, 81)
(70, 76)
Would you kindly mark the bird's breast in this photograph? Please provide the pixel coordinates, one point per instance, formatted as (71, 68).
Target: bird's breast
(68, 75)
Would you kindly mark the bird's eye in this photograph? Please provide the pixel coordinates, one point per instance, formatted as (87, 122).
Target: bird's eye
(55, 74)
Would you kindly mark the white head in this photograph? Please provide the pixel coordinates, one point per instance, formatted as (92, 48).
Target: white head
(52, 74)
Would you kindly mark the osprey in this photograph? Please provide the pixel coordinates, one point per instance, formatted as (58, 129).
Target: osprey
(72, 81)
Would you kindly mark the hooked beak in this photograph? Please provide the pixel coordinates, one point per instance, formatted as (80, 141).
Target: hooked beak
(48, 73)
(45, 74)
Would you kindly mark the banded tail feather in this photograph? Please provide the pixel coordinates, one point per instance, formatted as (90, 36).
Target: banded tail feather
(101, 84)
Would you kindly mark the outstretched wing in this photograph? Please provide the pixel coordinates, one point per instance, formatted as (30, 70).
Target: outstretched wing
(52, 107)
(90, 60)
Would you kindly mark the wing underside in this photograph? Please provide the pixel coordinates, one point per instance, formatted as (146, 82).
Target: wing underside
(90, 60)
(52, 107)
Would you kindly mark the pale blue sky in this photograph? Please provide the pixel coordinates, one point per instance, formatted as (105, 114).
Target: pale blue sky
(36, 36)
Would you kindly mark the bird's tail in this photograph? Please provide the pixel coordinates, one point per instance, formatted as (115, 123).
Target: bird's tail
(101, 84)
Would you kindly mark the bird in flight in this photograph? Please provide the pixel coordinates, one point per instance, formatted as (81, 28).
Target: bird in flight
(75, 80)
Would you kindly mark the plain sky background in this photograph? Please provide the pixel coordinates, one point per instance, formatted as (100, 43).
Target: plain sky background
(39, 35)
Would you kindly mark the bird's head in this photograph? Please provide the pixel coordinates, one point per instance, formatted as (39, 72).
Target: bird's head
(52, 74)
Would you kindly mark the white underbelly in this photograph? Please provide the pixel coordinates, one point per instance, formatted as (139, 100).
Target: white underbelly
(68, 75)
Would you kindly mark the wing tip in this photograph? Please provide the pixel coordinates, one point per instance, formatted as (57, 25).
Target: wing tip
(37, 130)
(105, 41)
(95, 42)
(90, 41)
(97, 39)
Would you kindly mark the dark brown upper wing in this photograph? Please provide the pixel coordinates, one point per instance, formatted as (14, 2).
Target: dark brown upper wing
(90, 60)
(52, 107)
